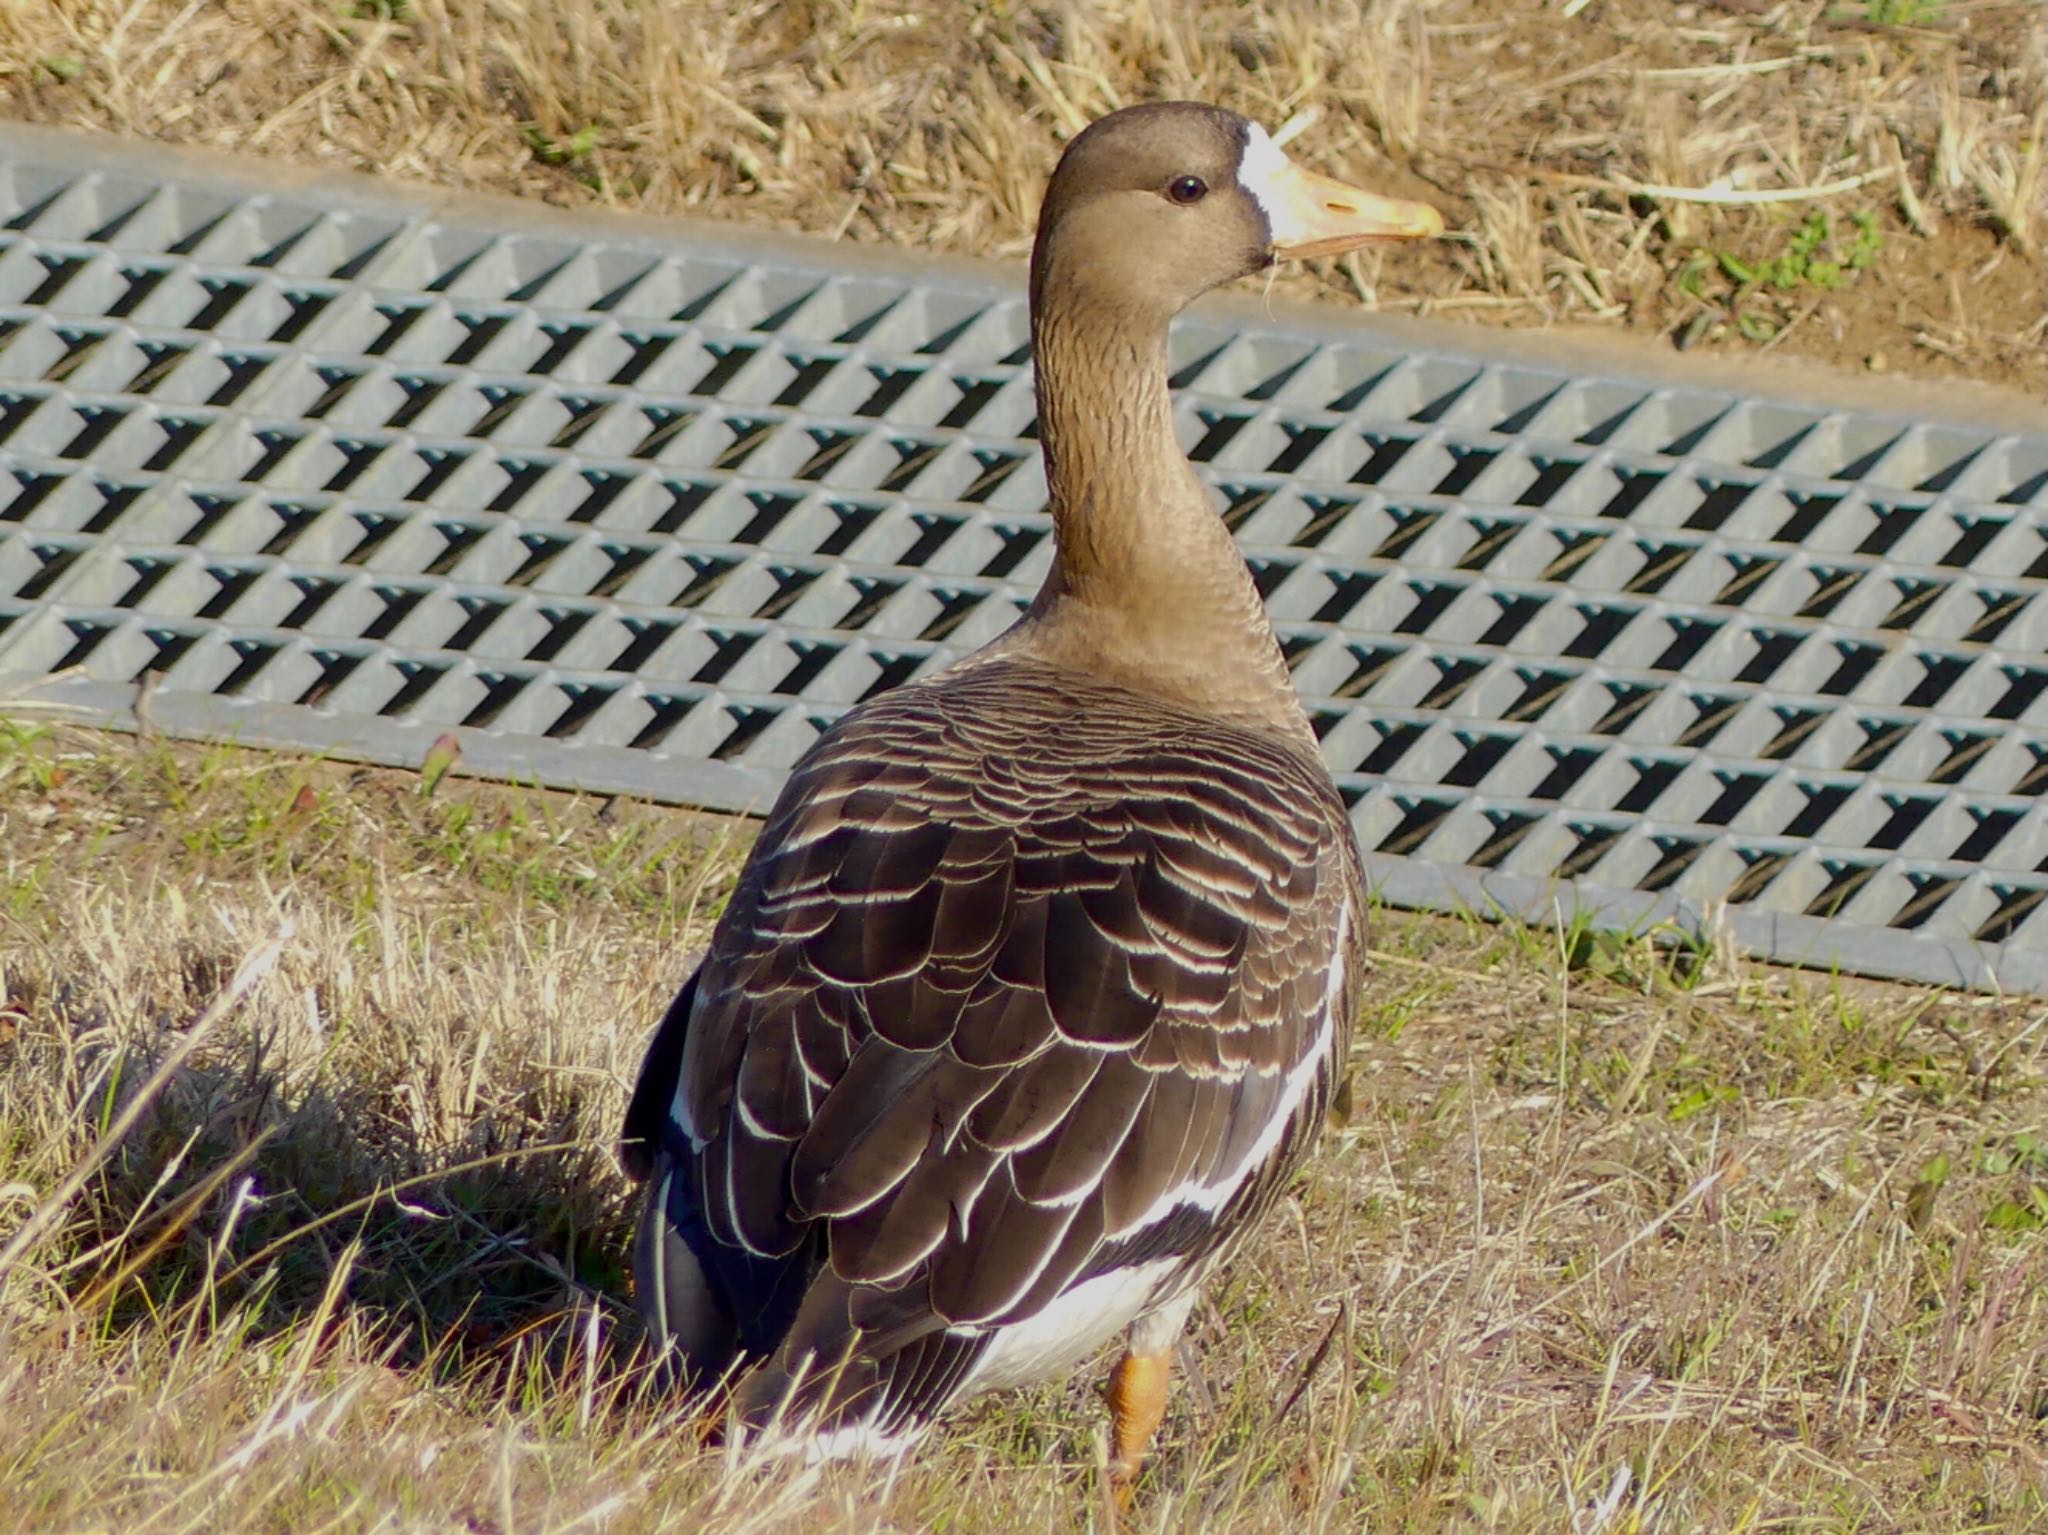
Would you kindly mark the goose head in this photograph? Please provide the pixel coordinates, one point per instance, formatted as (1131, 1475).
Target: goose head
(1153, 205)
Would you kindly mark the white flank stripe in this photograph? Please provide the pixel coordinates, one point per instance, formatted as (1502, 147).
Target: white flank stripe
(654, 1305)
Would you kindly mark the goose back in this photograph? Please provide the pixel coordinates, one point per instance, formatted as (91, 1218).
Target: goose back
(1031, 984)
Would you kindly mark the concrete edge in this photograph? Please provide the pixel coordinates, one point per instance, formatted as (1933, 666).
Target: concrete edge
(1779, 938)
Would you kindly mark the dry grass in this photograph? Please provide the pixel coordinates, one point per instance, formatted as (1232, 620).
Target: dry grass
(1644, 166)
(1614, 1239)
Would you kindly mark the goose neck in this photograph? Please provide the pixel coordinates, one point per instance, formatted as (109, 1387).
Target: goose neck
(1147, 586)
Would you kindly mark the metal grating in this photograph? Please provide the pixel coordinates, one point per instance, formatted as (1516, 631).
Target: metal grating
(641, 508)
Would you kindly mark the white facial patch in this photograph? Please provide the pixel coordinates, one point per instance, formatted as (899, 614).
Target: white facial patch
(1261, 171)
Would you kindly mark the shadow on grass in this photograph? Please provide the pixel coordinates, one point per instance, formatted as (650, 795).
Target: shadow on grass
(249, 1179)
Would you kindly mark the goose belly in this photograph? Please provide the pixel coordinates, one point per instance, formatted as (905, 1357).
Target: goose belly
(1070, 1329)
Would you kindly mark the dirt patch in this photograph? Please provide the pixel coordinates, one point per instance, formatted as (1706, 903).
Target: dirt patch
(1852, 181)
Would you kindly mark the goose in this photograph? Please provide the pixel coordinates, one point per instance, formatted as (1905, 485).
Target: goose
(1033, 988)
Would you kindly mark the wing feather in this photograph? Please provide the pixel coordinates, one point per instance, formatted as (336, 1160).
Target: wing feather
(1009, 1242)
(1061, 1168)
(869, 1132)
(655, 1089)
(1034, 1098)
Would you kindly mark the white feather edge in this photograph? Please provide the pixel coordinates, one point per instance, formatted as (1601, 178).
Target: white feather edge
(1208, 1197)
(1211, 1197)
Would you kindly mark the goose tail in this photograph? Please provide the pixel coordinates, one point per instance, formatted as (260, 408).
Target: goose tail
(692, 1335)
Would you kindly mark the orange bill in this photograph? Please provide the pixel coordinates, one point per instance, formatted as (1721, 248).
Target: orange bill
(1315, 215)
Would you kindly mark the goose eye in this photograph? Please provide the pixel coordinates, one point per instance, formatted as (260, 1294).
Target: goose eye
(1187, 189)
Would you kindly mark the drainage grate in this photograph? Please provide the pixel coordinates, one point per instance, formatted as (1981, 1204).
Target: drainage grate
(643, 510)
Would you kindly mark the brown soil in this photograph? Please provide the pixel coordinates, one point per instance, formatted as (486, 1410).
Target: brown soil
(1856, 182)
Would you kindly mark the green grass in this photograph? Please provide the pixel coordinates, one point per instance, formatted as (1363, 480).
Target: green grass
(1763, 294)
(1617, 1233)
(1904, 13)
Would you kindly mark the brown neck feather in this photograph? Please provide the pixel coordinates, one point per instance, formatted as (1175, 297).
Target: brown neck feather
(1147, 589)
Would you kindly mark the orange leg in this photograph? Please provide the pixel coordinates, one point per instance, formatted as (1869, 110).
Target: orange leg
(708, 1426)
(1137, 1404)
